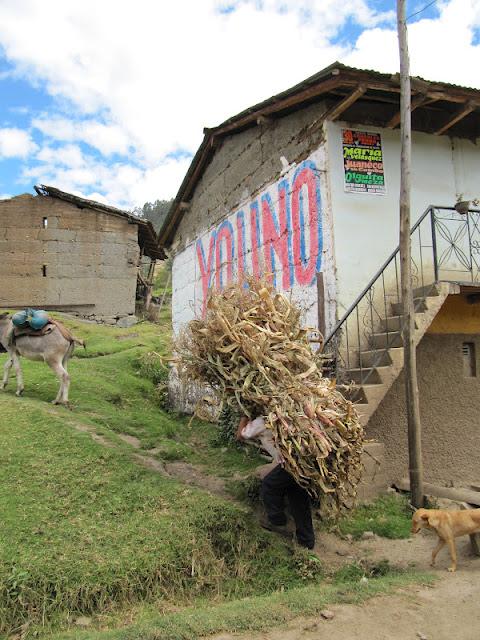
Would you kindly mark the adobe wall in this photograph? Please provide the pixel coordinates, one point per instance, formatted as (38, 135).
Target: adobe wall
(449, 403)
(83, 258)
(262, 206)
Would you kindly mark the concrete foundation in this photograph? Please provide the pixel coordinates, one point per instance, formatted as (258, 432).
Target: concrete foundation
(449, 406)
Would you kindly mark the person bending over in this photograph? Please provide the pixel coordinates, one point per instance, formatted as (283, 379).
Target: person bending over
(277, 485)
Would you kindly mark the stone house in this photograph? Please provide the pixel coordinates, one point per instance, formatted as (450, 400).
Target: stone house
(59, 251)
(305, 186)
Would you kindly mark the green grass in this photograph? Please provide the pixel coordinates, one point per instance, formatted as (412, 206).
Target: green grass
(86, 530)
(161, 280)
(388, 516)
(253, 613)
(83, 529)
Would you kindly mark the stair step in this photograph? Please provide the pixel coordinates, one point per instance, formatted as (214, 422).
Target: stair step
(370, 375)
(363, 413)
(362, 392)
(375, 358)
(386, 340)
(426, 291)
(355, 394)
(419, 304)
(393, 323)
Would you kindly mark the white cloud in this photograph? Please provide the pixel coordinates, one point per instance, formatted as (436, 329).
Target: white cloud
(106, 138)
(440, 49)
(142, 79)
(15, 143)
(122, 183)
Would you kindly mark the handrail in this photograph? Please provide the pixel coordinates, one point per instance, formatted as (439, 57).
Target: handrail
(361, 339)
(378, 274)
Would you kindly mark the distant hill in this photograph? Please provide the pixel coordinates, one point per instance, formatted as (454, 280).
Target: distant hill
(156, 212)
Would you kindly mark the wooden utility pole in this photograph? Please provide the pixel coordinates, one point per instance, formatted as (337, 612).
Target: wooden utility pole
(410, 359)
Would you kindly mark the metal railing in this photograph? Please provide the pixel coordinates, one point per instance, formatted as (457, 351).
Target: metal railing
(445, 247)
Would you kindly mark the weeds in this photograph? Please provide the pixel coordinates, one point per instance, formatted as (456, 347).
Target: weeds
(388, 516)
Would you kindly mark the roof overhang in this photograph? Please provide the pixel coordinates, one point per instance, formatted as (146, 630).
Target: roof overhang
(358, 95)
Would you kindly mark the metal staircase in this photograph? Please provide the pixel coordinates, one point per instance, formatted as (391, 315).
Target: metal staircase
(365, 347)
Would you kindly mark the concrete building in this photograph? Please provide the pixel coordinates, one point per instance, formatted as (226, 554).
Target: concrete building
(59, 251)
(305, 186)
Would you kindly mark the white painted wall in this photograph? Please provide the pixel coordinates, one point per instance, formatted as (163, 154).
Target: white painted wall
(300, 204)
(365, 226)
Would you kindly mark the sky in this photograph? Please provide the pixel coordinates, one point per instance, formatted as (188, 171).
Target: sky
(108, 98)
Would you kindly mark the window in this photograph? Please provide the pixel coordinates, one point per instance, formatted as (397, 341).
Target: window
(44, 271)
(469, 360)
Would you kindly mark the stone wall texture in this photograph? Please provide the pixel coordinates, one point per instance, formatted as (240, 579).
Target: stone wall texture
(78, 258)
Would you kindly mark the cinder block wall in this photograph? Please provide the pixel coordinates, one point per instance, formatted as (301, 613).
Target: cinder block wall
(266, 182)
(82, 258)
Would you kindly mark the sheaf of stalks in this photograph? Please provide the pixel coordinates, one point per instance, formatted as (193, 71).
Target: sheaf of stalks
(253, 351)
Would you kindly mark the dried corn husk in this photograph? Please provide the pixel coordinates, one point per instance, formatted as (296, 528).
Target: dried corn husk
(253, 351)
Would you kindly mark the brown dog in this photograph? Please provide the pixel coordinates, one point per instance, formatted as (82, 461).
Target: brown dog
(448, 525)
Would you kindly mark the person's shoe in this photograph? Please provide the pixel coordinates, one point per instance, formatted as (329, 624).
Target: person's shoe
(282, 530)
(307, 545)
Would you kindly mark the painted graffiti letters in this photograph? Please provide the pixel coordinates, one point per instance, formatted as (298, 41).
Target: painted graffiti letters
(277, 235)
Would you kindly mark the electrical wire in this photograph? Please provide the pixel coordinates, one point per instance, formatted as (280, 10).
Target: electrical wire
(421, 10)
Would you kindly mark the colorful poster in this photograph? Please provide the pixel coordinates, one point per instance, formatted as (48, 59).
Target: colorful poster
(363, 162)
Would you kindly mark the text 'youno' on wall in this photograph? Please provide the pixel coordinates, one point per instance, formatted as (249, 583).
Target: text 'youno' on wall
(277, 234)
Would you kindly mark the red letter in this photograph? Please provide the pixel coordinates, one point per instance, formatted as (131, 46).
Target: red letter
(205, 268)
(306, 267)
(276, 238)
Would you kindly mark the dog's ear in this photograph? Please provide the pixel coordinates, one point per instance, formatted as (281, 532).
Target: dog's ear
(433, 520)
(425, 515)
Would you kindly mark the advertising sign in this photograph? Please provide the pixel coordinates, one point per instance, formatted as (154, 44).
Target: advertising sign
(363, 162)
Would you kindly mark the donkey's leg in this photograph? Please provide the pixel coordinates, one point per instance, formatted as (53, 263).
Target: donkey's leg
(64, 378)
(6, 372)
(66, 358)
(18, 373)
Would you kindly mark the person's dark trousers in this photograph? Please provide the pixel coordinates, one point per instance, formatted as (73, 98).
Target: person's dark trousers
(275, 486)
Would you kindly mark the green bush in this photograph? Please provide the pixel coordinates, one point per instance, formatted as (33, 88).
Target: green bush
(151, 366)
(227, 428)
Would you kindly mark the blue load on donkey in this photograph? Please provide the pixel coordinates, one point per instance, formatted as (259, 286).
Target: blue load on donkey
(33, 318)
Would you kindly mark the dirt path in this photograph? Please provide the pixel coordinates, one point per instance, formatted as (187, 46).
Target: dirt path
(182, 471)
(450, 610)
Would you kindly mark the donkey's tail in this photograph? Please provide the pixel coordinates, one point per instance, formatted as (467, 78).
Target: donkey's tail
(67, 334)
(81, 343)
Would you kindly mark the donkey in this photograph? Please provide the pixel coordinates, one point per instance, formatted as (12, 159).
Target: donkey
(55, 347)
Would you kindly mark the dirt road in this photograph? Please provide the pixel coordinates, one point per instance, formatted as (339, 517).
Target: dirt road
(450, 610)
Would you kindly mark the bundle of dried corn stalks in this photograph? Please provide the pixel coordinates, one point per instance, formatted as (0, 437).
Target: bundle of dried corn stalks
(252, 350)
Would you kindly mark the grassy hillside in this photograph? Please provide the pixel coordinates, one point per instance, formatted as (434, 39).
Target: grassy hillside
(83, 527)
